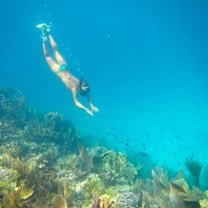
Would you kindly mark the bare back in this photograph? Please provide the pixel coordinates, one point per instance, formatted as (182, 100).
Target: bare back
(69, 80)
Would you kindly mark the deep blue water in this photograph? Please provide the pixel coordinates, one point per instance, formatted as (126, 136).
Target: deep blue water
(146, 62)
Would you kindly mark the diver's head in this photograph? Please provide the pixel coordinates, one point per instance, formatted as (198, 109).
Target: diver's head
(84, 88)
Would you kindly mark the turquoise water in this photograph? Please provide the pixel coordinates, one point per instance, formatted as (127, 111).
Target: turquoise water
(145, 60)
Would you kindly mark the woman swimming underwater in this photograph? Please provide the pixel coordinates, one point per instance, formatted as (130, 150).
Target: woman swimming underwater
(59, 66)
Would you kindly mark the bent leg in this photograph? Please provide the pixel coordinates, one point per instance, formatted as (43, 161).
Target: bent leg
(58, 56)
(51, 62)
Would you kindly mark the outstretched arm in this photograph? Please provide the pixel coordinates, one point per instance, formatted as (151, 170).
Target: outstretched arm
(79, 105)
(93, 108)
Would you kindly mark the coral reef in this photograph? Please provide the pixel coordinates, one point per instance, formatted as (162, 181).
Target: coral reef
(103, 201)
(44, 163)
(12, 105)
(85, 158)
(113, 167)
(51, 127)
(8, 177)
(128, 199)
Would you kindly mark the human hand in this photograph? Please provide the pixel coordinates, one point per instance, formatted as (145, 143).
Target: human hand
(90, 112)
(94, 109)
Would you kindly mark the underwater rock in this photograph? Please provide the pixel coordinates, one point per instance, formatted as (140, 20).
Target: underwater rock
(59, 202)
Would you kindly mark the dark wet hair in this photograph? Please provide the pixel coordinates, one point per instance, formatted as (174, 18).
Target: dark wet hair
(84, 83)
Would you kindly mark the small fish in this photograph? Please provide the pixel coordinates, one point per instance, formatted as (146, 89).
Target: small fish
(147, 135)
(177, 137)
(142, 154)
(144, 145)
(126, 144)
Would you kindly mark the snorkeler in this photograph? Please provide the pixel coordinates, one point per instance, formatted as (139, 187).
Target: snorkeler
(59, 66)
